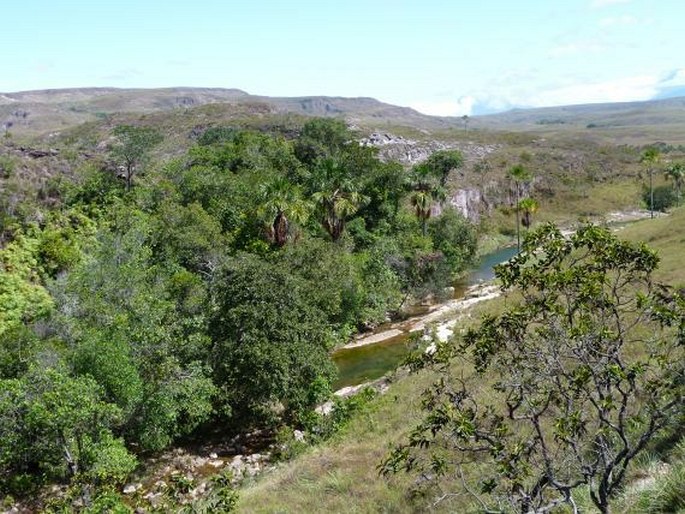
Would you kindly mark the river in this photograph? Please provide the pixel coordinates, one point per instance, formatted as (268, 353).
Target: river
(369, 362)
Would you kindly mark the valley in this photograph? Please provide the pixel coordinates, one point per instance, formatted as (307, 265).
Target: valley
(189, 274)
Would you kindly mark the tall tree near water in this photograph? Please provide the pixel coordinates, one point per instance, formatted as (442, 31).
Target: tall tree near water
(427, 189)
(651, 157)
(520, 175)
(561, 392)
(676, 172)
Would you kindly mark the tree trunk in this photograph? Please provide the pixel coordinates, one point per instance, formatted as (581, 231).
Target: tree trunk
(129, 176)
(518, 222)
(280, 228)
(651, 194)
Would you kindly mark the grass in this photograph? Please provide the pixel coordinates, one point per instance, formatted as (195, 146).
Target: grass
(341, 475)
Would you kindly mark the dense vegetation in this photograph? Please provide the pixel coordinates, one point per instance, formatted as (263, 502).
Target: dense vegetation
(149, 299)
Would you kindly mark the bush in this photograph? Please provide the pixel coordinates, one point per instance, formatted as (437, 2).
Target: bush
(665, 197)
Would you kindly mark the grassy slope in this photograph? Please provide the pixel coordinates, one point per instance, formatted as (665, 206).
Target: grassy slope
(341, 475)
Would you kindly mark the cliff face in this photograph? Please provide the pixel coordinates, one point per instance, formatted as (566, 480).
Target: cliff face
(473, 200)
(410, 152)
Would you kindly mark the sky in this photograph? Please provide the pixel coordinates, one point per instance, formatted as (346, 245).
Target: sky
(446, 57)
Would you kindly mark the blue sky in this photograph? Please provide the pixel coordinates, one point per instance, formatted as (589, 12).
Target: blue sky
(449, 57)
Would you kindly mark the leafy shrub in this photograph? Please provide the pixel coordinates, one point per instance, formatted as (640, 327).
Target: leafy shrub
(665, 197)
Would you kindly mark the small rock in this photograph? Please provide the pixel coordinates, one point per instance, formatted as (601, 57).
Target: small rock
(325, 409)
(132, 488)
(298, 435)
(216, 463)
(213, 455)
(154, 499)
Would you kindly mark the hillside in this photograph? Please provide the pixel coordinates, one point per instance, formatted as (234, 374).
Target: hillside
(40, 112)
(36, 112)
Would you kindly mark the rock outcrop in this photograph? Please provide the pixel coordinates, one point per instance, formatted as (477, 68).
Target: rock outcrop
(410, 152)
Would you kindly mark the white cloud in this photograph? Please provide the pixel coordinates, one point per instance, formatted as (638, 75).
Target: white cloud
(604, 3)
(623, 89)
(639, 87)
(616, 21)
(508, 93)
(458, 107)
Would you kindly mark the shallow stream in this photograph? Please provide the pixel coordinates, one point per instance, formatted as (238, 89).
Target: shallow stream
(369, 362)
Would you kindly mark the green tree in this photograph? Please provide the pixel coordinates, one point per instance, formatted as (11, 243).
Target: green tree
(426, 190)
(59, 424)
(651, 158)
(441, 163)
(520, 175)
(568, 387)
(132, 148)
(281, 201)
(455, 237)
(336, 195)
(22, 295)
(321, 138)
(528, 206)
(676, 173)
(270, 343)
(130, 325)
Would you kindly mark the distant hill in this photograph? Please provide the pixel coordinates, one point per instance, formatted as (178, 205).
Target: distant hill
(662, 119)
(54, 110)
(35, 112)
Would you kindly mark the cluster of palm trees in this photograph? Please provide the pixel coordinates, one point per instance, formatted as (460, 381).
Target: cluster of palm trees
(334, 196)
(334, 193)
(525, 207)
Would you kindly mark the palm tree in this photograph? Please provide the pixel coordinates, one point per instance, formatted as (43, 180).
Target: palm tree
(427, 189)
(676, 172)
(528, 207)
(519, 174)
(281, 200)
(651, 158)
(336, 195)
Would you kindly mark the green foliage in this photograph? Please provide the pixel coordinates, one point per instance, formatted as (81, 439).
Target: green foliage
(7, 166)
(344, 409)
(94, 187)
(133, 337)
(212, 292)
(321, 138)
(22, 295)
(270, 343)
(134, 144)
(664, 197)
(455, 237)
(336, 194)
(441, 163)
(60, 425)
(581, 376)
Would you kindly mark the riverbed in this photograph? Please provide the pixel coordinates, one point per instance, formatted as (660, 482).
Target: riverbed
(373, 355)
